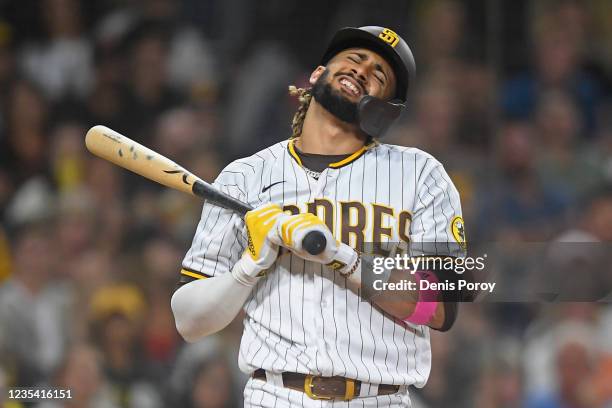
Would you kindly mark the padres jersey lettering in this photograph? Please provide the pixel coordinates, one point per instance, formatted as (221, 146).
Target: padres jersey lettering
(301, 317)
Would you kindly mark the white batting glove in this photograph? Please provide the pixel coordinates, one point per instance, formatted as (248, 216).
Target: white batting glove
(293, 228)
(261, 251)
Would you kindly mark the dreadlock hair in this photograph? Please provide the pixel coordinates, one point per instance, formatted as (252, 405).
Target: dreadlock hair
(304, 96)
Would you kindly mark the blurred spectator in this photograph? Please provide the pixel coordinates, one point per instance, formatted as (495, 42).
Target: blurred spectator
(68, 156)
(86, 273)
(597, 218)
(117, 313)
(148, 93)
(441, 31)
(202, 377)
(521, 205)
(576, 357)
(104, 188)
(192, 64)
(34, 202)
(75, 223)
(161, 258)
(105, 104)
(584, 248)
(541, 341)
(476, 89)
(257, 113)
(593, 221)
(500, 383)
(82, 375)
(35, 313)
(24, 151)
(180, 132)
(212, 387)
(558, 64)
(61, 64)
(436, 120)
(562, 163)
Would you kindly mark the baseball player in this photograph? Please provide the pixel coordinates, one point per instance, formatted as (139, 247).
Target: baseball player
(310, 339)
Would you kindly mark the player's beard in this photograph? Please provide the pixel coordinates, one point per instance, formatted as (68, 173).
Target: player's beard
(333, 101)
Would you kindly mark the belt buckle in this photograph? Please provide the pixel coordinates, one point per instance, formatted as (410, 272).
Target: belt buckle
(308, 385)
(348, 395)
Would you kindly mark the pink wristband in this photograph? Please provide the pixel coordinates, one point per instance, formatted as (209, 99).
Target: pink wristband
(425, 307)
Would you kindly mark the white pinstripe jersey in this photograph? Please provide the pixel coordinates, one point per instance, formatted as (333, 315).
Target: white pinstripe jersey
(301, 317)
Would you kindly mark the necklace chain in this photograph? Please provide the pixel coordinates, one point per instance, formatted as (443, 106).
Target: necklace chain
(314, 174)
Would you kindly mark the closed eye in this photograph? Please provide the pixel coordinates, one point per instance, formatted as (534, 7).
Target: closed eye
(379, 77)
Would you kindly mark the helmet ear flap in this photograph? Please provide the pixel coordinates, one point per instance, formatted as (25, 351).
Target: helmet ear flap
(376, 116)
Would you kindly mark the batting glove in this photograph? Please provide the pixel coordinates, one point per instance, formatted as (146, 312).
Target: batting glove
(261, 251)
(293, 228)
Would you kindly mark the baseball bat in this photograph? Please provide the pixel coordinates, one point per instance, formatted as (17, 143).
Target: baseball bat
(123, 151)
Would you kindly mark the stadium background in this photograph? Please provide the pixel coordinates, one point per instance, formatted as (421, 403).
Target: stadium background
(513, 97)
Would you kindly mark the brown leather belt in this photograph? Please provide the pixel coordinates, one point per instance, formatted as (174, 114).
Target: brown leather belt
(325, 388)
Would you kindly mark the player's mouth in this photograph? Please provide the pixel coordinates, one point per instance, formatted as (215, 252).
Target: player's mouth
(351, 86)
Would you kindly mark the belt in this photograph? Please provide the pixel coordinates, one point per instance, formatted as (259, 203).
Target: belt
(325, 388)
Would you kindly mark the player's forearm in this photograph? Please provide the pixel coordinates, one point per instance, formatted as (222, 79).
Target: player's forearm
(401, 304)
(206, 306)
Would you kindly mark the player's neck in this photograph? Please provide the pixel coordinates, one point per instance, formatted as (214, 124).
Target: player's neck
(323, 133)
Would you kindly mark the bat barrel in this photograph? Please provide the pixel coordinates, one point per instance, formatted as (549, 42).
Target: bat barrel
(124, 152)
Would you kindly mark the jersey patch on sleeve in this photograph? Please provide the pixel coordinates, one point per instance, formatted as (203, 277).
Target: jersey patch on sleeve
(458, 230)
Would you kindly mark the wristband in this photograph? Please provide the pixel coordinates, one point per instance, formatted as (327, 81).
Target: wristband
(241, 276)
(426, 305)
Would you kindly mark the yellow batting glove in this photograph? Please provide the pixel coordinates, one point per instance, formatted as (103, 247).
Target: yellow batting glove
(261, 251)
(293, 228)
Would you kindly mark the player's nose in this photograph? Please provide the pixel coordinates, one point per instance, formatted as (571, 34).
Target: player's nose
(359, 73)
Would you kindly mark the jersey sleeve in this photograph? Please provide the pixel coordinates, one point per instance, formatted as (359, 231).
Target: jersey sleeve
(220, 237)
(437, 224)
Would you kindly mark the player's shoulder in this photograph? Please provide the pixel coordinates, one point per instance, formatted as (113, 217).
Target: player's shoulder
(248, 171)
(413, 154)
(252, 163)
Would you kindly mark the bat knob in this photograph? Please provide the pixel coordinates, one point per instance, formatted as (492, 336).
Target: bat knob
(314, 242)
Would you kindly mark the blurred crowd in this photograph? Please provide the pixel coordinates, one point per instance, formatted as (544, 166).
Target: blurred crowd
(514, 98)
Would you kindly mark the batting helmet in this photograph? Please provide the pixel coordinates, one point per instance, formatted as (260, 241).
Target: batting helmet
(384, 42)
(375, 115)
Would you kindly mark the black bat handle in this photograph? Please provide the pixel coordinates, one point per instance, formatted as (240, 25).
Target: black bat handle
(314, 242)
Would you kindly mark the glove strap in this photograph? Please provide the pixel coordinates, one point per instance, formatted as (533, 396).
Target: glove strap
(347, 261)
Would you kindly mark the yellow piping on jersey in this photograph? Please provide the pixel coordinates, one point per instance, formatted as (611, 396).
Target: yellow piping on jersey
(337, 164)
(349, 159)
(193, 274)
(294, 154)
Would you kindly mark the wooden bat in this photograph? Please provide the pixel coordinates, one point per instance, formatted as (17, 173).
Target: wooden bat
(122, 151)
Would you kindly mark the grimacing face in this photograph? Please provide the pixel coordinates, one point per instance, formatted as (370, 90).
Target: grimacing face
(356, 72)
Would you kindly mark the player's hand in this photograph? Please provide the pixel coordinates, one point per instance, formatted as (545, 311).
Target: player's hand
(292, 229)
(261, 251)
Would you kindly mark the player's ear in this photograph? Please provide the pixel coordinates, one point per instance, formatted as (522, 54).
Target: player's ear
(316, 74)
